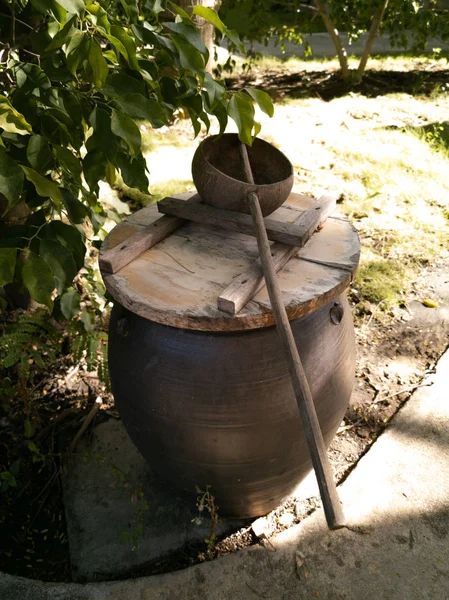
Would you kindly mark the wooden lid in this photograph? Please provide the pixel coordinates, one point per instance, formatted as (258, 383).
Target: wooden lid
(178, 281)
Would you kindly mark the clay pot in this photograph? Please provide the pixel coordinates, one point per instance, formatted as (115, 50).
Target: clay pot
(218, 409)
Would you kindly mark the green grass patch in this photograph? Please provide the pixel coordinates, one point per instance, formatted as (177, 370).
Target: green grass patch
(397, 193)
(382, 280)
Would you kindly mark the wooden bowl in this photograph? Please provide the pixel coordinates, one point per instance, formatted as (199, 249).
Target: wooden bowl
(219, 178)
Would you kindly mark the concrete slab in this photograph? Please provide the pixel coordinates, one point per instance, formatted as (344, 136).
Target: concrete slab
(396, 547)
(120, 515)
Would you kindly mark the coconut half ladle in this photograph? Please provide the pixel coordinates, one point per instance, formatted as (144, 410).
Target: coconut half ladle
(311, 426)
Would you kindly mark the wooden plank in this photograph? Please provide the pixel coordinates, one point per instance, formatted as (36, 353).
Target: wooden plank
(217, 217)
(122, 254)
(245, 286)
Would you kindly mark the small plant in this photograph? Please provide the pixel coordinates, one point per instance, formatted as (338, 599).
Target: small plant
(136, 529)
(31, 339)
(206, 501)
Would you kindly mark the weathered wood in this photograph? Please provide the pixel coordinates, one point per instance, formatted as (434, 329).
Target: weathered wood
(218, 217)
(249, 178)
(118, 257)
(245, 286)
(178, 281)
(311, 426)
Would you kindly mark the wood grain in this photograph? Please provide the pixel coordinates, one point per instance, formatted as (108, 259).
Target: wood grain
(118, 257)
(178, 281)
(245, 286)
(310, 424)
(241, 222)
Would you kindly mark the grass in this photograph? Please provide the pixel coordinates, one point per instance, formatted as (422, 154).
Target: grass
(397, 193)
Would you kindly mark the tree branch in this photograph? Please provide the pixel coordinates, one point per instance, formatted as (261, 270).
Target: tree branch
(335, 37)
(374, 30)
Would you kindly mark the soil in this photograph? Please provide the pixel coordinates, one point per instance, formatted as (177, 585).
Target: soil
(281, 82)
(395, 351)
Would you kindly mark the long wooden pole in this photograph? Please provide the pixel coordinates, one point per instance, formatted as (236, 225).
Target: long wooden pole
(310, 423)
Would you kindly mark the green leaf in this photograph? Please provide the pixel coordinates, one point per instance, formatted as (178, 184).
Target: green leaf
(38, 279)
(153, 39)
(69, 163)
(111, 174)
(39, 153)
(221, 114)
(180, 11)
(190, 33)
(124, 44)
(241, 110)
(75, 7)
(77, 51)
(44, 187)
(70, 304)
(262, 99)
(232, 35)
(429, 303)
(119, 84)
(210, 15)
(68, 236)
(124, 127)
(11, 179)
(94, 167)
(76, 210)
(161, 5)
(133, 172)
(88, 320)
(28, 430)
(98, 15)
(60, 261)
(11, 120)
(102, 138)
(214, 90)
(139, 107)
(7, 265)
(30, 77)
(131, 9)
(99, 65)
(190, 58)
(63, 35)
(50, 7)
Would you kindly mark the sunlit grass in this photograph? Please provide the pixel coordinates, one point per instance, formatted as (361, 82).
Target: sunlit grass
(397, 192)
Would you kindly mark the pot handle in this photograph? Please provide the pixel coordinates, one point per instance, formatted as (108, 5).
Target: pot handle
(336, 313)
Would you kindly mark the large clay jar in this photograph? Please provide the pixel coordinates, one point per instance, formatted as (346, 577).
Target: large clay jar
(218, 409)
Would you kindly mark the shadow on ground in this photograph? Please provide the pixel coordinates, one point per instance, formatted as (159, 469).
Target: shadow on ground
(328, 85)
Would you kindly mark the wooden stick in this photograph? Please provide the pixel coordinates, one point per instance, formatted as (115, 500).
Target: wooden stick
(244, 287)
(286, 233)
(246, 164)
(311, 426)
(85, 424)
(310, 423)
(118, 257)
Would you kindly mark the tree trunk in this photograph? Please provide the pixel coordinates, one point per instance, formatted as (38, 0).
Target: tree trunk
(335, 37)
(374, 30)
(206, 29)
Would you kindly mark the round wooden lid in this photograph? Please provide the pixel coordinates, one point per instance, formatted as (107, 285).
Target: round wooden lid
(178, 281)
